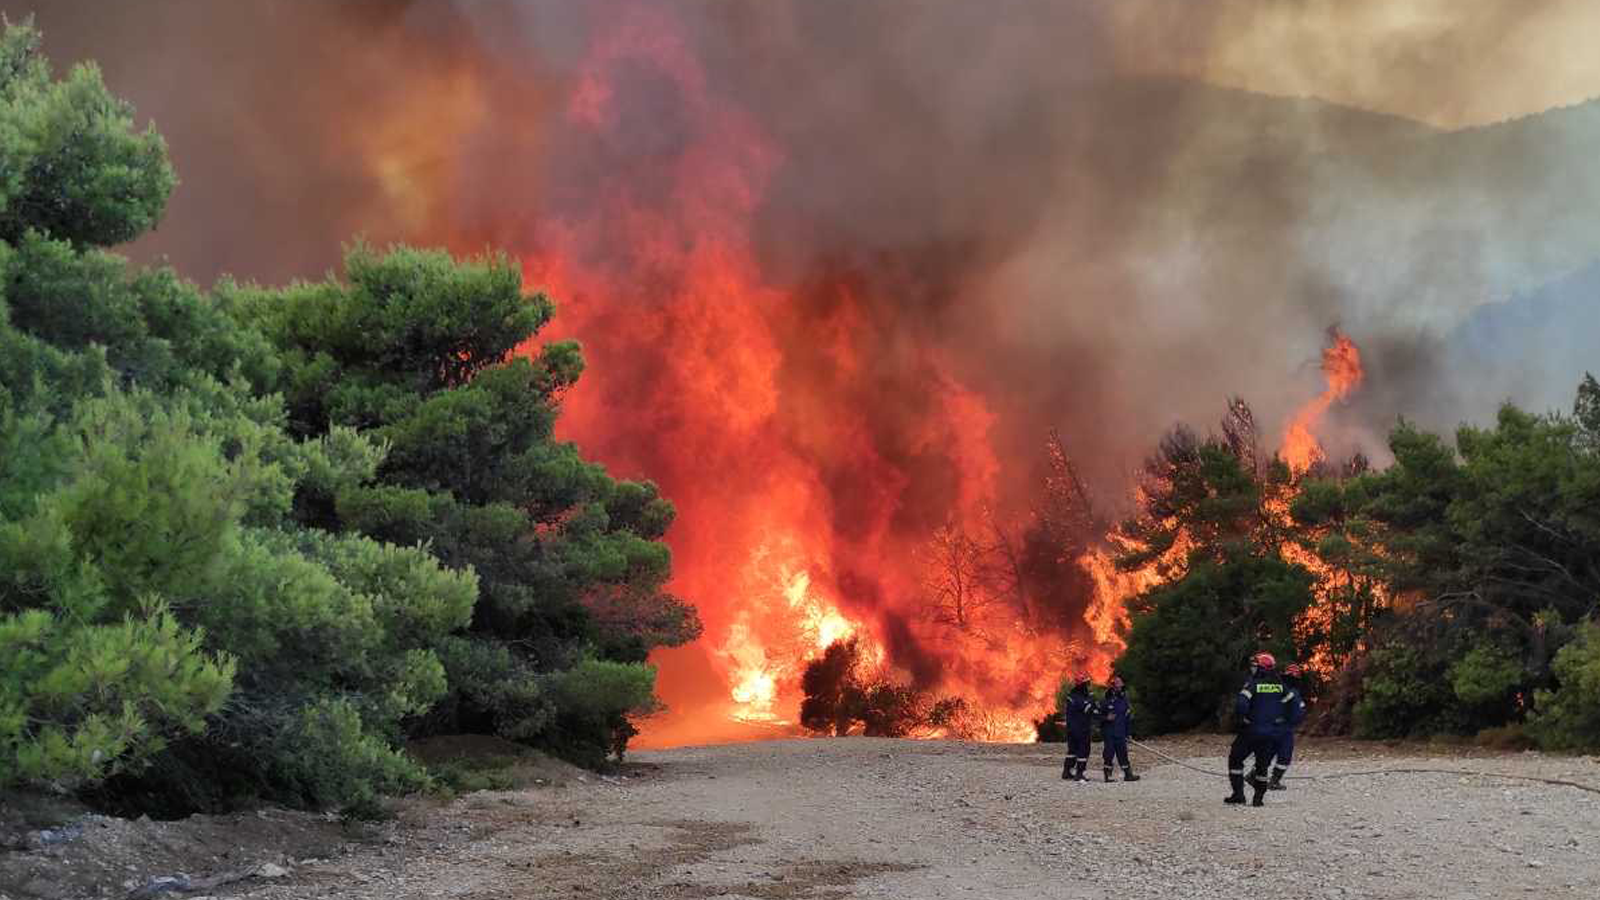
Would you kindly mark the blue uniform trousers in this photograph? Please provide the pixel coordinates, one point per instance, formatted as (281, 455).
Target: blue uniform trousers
(1115, 747)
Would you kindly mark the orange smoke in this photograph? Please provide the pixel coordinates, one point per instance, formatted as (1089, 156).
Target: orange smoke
(812, 439)
(1341, 366)
(804, 488)
(807, 485)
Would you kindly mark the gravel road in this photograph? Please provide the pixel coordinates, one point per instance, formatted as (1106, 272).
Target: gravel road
(858, 817)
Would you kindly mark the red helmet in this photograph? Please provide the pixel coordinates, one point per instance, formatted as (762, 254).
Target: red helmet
(1294, 670)
(1116, 681)
(1264, 661)
(1081, 678)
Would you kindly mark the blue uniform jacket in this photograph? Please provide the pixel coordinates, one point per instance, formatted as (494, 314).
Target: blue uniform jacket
(1297, 705)
(1115, 716)
(1266, 707)
(1080, 712)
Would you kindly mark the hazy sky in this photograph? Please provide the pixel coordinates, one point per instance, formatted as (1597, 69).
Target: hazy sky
(1450, 63)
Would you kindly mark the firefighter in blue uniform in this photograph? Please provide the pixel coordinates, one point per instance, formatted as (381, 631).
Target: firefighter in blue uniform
(1296, 701)
(1261, 714)
(1115, 720)
(1079, 713)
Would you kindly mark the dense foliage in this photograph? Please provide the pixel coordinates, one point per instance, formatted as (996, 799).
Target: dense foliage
(415, 352)
(1213, 521)
(1455, 591)
(252, 540)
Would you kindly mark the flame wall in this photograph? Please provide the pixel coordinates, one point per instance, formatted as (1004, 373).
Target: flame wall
(839, 267)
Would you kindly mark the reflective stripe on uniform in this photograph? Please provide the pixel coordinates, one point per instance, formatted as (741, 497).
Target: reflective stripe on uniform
(1238, 771)
(1245, 693)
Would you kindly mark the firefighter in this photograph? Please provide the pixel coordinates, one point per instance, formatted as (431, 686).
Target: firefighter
(1261, 714)
(1116, 717)
(1079, 713)
(1295, 699)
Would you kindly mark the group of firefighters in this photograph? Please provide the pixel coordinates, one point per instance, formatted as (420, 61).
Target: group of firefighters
(1267, 711)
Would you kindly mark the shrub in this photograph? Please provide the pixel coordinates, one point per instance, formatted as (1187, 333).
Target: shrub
(1405, 693)
(594, 700)
(1568, 716)
(1190, 638)
(81, 700)
(333, 760)
(829, 686)
(1486, 676)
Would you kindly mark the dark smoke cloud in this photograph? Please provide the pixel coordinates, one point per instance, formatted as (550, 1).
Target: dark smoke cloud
(1097, 220)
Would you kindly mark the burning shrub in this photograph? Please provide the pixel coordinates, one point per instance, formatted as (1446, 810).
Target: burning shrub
(892, 710)
(839, 696)
(832, 693)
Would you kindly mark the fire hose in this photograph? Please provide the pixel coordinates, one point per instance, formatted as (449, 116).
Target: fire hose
(1392, 771)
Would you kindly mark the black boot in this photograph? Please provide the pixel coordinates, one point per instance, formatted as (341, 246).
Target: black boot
(1238, 789)
(1108, 774)
(1083, 767)
(1276, 784)
(1127, 774)
(1258, 782)
(1066, 770)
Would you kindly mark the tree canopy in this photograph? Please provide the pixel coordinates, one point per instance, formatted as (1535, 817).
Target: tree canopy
(1453, 591)
(253, 539)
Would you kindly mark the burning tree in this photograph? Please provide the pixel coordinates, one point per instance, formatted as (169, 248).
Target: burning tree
(1031, 566)
(1064, 527)
(1210, 518)
(957, 578)
(1208, 497)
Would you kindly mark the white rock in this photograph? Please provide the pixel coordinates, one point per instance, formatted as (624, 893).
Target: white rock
(272, 870)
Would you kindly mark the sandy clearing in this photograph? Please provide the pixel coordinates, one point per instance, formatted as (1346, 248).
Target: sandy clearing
(858, 817)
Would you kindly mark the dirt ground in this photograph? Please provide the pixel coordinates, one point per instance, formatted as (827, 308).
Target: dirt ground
(858, 817)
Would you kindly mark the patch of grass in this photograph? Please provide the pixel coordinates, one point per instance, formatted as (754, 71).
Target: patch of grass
(463, 776)
(1506, 737)
(31, 809)
(465, 763)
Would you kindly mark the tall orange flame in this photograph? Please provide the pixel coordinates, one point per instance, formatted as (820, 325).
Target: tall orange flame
(811, 444)
(1341, 366)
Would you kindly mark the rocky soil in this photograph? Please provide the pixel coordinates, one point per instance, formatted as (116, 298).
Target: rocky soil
(859, 817)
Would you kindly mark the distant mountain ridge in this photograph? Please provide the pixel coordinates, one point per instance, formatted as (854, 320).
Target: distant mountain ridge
(1536, 345)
